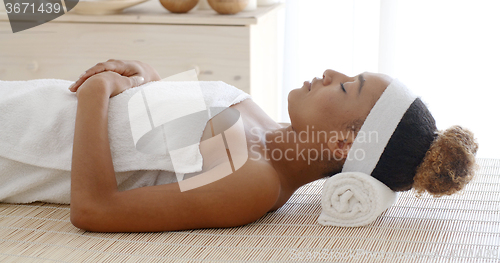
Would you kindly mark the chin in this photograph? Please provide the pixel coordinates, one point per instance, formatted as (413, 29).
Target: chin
(291, 100)
(294, 98)
(291, 96)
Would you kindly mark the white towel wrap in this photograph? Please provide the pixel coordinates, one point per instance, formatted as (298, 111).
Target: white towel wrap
(353, 197)
(38, 121)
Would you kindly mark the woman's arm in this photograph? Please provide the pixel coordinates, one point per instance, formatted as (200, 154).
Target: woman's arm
(97, 205)
(93, 178)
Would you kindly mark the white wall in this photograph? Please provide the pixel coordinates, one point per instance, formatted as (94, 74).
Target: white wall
(446, 51)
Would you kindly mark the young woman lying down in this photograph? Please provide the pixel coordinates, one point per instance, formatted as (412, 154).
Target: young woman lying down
(327, 116)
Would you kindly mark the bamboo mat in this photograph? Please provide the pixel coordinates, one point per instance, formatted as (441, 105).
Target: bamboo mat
(460, 228)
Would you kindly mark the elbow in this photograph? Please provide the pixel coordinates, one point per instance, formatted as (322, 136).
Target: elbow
(85, 218)
(92, 214)
(77, 219)
(93, 217)
(80, 218)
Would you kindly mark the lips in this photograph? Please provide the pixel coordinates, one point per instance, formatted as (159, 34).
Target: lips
(307, 84)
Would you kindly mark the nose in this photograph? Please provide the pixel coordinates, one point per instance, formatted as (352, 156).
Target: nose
(331, 76)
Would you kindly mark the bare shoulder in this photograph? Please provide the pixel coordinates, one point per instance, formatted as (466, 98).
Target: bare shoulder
(234, 200)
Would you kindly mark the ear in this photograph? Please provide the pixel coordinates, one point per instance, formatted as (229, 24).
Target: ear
(340, 147)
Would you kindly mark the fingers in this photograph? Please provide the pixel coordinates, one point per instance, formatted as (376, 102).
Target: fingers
(136, 81)
(126, 68)
(110, 65)
(123, 84)
(99, 67)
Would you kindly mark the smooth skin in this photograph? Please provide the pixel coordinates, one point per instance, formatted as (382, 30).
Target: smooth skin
(260, 186)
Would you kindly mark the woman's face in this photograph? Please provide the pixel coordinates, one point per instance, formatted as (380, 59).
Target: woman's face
(336, 99)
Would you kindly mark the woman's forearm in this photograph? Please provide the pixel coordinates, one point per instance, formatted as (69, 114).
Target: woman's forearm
(93, 180)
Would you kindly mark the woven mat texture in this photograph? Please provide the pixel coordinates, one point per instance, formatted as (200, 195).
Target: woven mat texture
(460, 228)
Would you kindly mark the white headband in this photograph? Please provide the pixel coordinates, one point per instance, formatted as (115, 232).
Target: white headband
(378, 128)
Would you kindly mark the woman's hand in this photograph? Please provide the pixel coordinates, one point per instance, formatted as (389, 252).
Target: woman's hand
(110, 83)
(126, 68)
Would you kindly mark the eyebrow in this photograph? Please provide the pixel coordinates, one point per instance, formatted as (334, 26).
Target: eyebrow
(361, 82)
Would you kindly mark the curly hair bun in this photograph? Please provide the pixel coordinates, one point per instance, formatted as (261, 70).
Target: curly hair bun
(449, 164)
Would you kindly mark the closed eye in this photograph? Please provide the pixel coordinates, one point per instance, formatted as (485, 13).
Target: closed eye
(342, 86)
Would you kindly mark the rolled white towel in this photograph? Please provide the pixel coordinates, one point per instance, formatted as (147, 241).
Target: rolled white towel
(353, 199)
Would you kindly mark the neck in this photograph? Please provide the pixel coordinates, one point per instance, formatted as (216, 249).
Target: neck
(298, 163)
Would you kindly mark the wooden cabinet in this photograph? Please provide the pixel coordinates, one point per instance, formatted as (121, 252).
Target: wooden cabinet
(241, 49)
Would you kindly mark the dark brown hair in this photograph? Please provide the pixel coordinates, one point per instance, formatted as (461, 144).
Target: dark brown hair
(421, 157)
